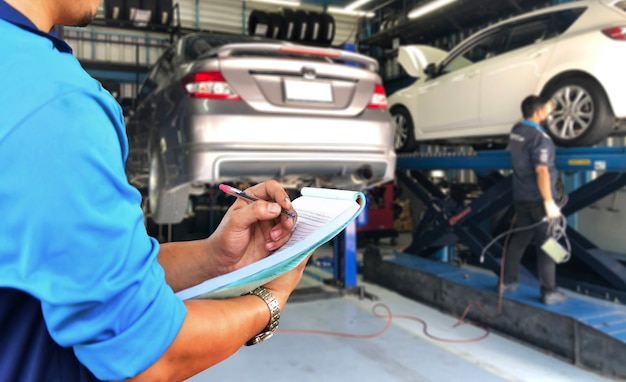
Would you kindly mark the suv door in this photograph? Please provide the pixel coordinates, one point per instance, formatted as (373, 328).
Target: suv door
(523, 51)
(451, 99)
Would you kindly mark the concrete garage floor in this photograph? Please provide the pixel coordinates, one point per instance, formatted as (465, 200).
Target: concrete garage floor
(402, 353)
(332, 337)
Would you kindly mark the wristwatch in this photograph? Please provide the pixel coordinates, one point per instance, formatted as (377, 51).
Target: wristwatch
(274, 307)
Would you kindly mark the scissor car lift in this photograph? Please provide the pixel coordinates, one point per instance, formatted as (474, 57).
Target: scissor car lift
(587, 330)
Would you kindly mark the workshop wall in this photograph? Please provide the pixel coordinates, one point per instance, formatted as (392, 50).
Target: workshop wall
(232, 16)
(603, 221)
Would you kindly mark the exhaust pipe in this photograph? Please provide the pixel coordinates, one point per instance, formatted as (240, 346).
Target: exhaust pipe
(354, 181)
(362, 175)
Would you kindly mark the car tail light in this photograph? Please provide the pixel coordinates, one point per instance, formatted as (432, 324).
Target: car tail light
(379, 99)
(616, 33)
(209, 85)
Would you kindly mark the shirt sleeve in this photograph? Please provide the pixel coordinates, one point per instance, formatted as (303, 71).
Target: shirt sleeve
(76, 239)
(539, 150)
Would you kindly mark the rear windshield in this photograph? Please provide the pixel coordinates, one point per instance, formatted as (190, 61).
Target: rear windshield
(621, 5)
(204, 45)
(196, 46)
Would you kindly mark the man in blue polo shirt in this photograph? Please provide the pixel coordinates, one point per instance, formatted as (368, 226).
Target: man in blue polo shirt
(85, 293)
(534, 190)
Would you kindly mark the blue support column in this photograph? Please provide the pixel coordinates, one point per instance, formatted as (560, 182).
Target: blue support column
(571, 182)
(344, 257)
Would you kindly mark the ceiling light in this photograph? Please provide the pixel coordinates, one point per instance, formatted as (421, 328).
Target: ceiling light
(344, 11)
(356, 4)
(424, 9)
(279, 2)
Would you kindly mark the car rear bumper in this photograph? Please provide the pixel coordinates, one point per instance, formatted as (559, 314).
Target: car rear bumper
(207, 166)
(240, 127)
(226, 147)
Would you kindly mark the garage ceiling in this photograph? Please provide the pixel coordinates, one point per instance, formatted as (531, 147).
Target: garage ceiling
(334, 3)
(458, 16)
(461, 16)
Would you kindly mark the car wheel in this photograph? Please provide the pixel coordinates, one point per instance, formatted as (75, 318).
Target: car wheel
(155, 187)
(405, 136)
(165, 207)
(582, 114)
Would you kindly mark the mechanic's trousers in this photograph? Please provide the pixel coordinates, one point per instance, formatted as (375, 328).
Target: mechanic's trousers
(529, 213)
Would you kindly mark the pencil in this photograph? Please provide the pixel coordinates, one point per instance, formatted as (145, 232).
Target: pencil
(249, 198)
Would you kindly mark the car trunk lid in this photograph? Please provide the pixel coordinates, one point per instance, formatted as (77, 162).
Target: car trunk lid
(294, 79)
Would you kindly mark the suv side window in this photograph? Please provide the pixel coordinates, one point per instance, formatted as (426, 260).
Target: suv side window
(149, 83)
(538, 29)
(564, 19)
(166, 66)
(527, 33)
(158, 74)
(476, 51)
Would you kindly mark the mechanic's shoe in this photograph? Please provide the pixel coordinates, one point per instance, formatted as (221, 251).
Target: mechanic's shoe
(506, 288)
(554, 297)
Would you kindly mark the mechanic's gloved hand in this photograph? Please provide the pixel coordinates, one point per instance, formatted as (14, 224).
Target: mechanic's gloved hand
(552, 210)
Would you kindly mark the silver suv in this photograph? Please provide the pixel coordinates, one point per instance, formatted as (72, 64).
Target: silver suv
(225, 108)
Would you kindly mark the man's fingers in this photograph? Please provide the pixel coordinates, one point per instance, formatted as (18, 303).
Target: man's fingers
(272, 191)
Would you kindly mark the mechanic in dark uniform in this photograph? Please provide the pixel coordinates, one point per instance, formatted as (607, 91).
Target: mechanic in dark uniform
(534, 191)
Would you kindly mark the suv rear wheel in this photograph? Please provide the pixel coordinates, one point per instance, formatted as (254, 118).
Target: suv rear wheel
(405, 136)
(582, 114)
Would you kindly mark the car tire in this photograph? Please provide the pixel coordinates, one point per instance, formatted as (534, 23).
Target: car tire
(259, 23)
(276, 23)
(165, 207)
(404, 140)
(327, 29)
(301, 26)
(582, 116)
(288, 24)
(314, 29)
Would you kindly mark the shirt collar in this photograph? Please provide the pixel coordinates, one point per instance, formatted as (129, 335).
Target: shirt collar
(528, 122)
(13, 16)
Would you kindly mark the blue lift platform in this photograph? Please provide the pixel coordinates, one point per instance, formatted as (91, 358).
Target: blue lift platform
(589, 329)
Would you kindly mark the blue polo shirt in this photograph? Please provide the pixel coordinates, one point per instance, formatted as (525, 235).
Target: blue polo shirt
(531, 146)
(80, 284)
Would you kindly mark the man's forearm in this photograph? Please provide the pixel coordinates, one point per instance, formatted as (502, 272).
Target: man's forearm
(182, 273)
(543, 182)
(213, 330)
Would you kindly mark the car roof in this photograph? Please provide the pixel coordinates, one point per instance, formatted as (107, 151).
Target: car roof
(549, 9)
(546, 10)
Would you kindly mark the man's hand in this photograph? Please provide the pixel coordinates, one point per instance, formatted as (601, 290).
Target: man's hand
(251, 231)
(544, 183)
(247, 233)
(552, 210)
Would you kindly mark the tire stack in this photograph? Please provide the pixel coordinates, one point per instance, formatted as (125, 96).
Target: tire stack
(300, 26)
(114, 10)
(118, 12)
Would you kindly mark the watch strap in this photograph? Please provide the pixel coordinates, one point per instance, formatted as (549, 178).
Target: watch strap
(274, 308)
